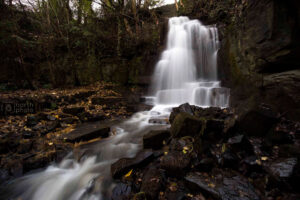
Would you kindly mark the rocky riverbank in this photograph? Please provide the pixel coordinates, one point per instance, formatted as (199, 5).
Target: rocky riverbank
(42, 126)
(214, 154)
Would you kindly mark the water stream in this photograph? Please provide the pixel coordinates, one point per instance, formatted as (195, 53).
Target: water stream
(186, 72)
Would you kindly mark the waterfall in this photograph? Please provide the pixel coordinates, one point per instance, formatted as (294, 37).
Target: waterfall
(186, 72)
(187, 69)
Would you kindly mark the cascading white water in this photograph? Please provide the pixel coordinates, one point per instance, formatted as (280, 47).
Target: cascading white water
(187, 72)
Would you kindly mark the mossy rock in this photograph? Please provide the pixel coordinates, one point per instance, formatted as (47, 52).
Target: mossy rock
(187, 125)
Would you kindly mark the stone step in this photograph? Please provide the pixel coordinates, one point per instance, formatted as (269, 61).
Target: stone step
(88, 131)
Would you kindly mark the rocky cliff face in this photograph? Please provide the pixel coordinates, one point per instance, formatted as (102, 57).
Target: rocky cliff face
(260, 48)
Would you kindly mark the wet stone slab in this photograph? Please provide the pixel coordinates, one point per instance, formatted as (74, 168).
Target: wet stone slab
(88, 131)
(229, 188)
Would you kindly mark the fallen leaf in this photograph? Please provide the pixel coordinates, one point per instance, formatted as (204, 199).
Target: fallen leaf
(264, 158)
(128, 174)
(189, 195)
(211, 185)
(223, 148)
(258, 162)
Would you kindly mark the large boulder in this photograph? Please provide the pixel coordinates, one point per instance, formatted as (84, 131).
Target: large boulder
(121, 191)
(155, 139)
(187, 125)
(152, 183)
(187, 108)
(284, 172)
(258, 121)
(123, 165)
(175, 163)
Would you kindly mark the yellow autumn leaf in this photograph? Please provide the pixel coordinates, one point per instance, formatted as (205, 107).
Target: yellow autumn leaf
(264, 158)
(258, 162)
(128, 174)
(189, 195)
(223, 148)
(185, 148)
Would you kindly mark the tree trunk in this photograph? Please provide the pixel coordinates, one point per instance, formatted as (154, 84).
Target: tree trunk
(119, 37)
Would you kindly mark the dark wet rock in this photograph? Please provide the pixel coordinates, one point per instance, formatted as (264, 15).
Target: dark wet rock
(40, 128)
(240, 143)
(213, 130)
(154, 139)
(205, 165)
(229, 160)
(175, 163)
(289, 150)
(16, 168)
(28, 134)
(231, 188)
(91, 117)
(175, 190)
(4, 176)
(121, 191)
(9, 144)
(25, 146)
(212, 112)
(49, 126)
(152, 183)
(237, 188)
(4, 145)
(283, 171)
(87, 131)
(186, 125)
(283, 168)
(31, 121)
(259, 121)
(38, 161)
(177, 144)
(62, 151)
(52, 125)
(139, 196)
(178, 195)
(73, 110)
(51, 118)
(250, 165)
(215, 125)
(202, 147)
(280, 137)
(154, 120)
(69, 120)
(123, 165)
(199, 183)
(187, 108)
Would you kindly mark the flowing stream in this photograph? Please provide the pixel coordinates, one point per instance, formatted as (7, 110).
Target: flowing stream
(186, 72)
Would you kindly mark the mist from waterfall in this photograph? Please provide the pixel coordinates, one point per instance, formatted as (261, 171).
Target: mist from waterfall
(186, 72)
